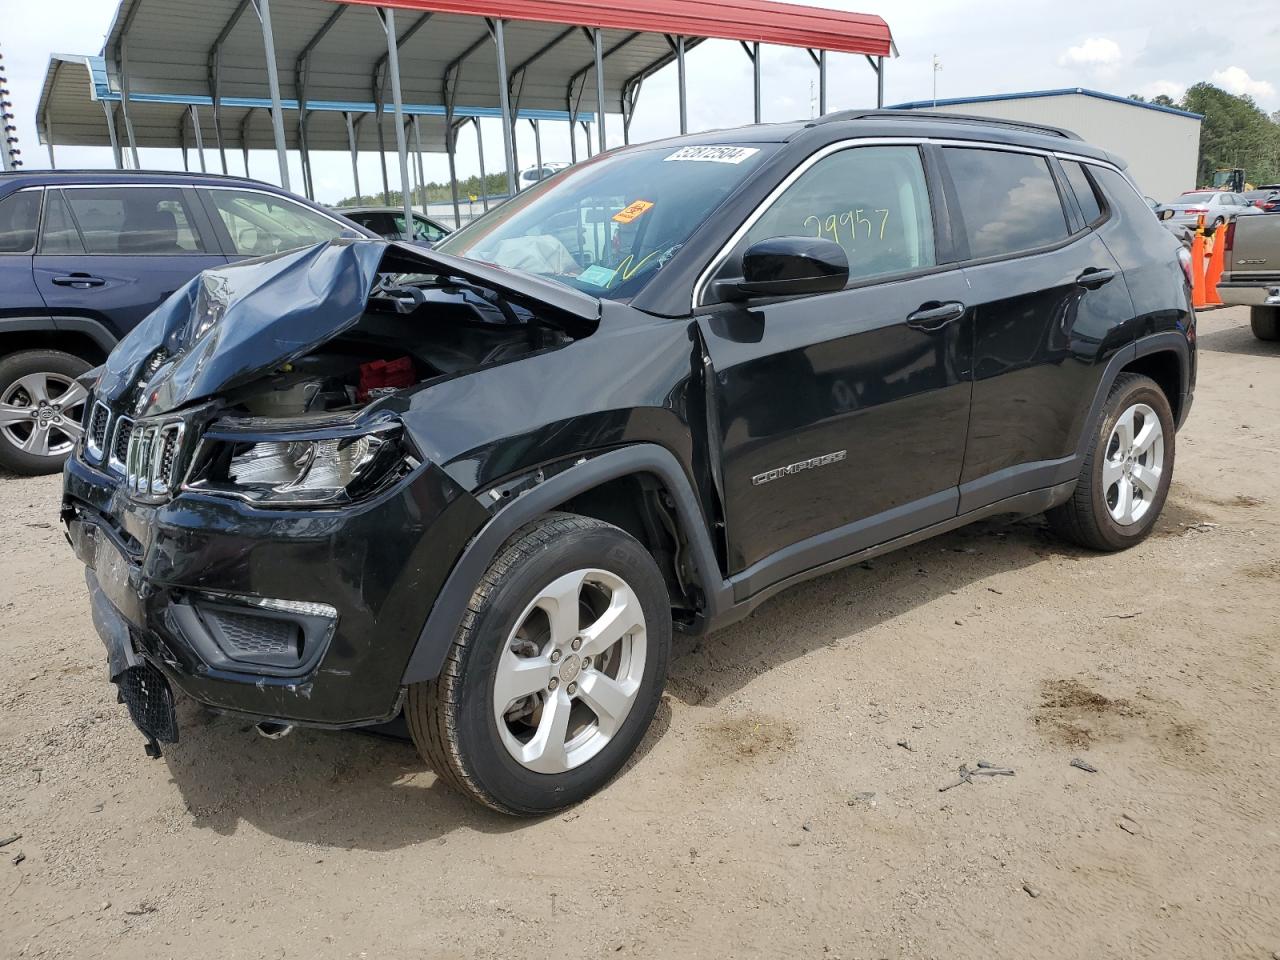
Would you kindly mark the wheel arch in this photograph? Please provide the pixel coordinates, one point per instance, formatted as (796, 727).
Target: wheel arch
(80, 337)
(1165, 357)
(587, 486)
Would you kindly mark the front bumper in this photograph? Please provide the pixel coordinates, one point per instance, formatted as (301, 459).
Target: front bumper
(356, 584)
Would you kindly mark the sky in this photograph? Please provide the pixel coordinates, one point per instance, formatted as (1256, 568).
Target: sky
(1000, 46)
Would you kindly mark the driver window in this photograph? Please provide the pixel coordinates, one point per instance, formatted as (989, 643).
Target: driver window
(873, 201)
(260, 224)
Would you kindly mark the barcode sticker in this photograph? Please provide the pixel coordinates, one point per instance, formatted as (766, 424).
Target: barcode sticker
(714, 154)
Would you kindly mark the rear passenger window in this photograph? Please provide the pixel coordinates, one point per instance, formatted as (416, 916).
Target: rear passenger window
(19, 215)
(871, 200)
(1082, 187)
(261, 224)
(1009, 201)
(133, 220)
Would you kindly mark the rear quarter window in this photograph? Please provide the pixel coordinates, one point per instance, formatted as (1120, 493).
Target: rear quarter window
(1082, 187)
(1008, 202)
(19, 216)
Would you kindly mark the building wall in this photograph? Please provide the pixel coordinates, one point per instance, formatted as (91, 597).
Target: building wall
(1161, 148)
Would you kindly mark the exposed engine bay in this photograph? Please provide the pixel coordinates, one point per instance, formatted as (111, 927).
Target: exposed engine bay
(409, 334)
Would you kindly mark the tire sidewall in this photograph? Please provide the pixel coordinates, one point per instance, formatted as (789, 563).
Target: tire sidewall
(1146, 392)
(486, 757)
(25, 363)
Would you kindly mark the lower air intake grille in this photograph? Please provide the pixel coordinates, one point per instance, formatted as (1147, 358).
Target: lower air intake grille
(247, 637)
(145, 691)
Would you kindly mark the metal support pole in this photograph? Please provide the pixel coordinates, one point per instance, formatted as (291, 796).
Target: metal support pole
(450, 149)
(598, 41)
(537, 146)
(484, 180)
(504, 101)
(879, 82)
(755, 78)
(586, 133)
(351, 145)
(195, 125)
(680, 75)
(110, 113)
(388, 15)
(217, 106)
(48, 133)
(122, 57)
(422, 170)
(182, 144)
(822, 82)
(273, 83)
(244, 138)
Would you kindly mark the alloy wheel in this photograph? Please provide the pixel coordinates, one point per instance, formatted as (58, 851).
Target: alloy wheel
(41, 414)
(570, 671)
(1133, 464)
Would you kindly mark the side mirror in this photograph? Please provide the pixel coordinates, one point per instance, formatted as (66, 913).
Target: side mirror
(789, 266)
(1165, 214)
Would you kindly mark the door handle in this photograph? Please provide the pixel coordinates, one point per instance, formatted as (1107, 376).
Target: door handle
(81, 281)
(1094, 277)
(934, 316)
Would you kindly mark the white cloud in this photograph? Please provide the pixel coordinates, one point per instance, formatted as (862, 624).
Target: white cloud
(1170, 89)
(1237, 80)
(1097, 53)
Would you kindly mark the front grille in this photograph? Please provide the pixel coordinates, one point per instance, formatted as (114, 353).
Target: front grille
(119, 451)
(95, 435)
(152, 460)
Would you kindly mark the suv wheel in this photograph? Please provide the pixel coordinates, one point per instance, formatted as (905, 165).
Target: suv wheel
(555, 672)
(1265, 322)
(1125, 478)
(41, 410)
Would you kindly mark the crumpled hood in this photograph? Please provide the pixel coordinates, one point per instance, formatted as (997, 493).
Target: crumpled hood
(231, 324)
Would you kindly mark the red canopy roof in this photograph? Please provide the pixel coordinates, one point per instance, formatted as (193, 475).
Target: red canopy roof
(767, 21)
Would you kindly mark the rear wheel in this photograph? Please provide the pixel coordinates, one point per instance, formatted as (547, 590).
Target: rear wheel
(41, 410)
(1125, 478)
(1265, 322)
(555, 672)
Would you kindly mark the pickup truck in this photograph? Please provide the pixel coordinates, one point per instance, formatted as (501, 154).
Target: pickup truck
(1251, 272)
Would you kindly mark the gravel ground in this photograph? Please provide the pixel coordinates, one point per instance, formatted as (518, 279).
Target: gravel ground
(786, 802)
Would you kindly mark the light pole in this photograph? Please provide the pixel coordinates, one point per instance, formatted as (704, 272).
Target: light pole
(937, 66)
(9, 152)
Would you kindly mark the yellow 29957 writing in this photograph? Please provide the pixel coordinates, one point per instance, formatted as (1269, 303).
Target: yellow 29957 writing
(851, 220)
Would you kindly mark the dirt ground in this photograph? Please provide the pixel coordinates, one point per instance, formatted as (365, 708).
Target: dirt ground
(786, 802)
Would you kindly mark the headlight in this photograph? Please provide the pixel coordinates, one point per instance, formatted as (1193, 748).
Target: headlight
(298, 472)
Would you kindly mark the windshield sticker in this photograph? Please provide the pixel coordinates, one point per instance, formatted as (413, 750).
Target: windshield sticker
(597, 275)
(714, 154)
(632, 210)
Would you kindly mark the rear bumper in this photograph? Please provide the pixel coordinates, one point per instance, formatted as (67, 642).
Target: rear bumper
(202, 587)
(1249, 294)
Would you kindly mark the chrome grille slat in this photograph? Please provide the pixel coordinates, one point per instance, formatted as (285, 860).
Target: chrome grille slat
(96, 432)
(152, 463)
(119, 450)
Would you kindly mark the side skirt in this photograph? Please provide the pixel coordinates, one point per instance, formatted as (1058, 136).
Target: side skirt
(1023, 504)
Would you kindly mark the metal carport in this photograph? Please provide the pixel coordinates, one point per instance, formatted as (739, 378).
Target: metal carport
(512, 55)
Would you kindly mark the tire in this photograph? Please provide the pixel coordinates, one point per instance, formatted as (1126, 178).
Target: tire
(1218, 223)
(1265, 322)
(35, 445)
(455, 719)
(1095, 517)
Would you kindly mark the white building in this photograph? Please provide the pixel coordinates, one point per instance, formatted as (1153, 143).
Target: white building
(1160, 144)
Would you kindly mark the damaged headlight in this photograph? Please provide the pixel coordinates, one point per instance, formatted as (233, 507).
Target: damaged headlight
(301, 471)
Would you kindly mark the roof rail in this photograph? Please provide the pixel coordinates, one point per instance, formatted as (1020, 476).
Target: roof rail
(939, 117)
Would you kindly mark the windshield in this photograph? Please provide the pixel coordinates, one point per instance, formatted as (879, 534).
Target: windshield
(607, 226)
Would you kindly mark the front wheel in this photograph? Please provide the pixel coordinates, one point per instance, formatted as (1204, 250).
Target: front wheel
(1125, 477)
(41, 409)
(555, 672)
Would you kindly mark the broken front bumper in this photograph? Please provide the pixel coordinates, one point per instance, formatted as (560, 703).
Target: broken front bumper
(298, 616)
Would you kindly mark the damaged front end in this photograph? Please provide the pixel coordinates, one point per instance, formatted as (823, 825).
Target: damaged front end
(260, 524)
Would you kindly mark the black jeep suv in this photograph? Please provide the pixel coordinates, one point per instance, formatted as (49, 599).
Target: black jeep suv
(481, 484)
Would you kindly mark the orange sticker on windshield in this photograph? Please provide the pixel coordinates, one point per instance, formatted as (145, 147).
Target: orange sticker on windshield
(632, 210)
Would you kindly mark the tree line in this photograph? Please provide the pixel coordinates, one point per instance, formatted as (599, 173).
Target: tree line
(1235, 132)
(434, 192)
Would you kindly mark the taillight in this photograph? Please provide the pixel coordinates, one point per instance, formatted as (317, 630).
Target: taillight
(1196, 210)
(1229, 240)
(1184, 258)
